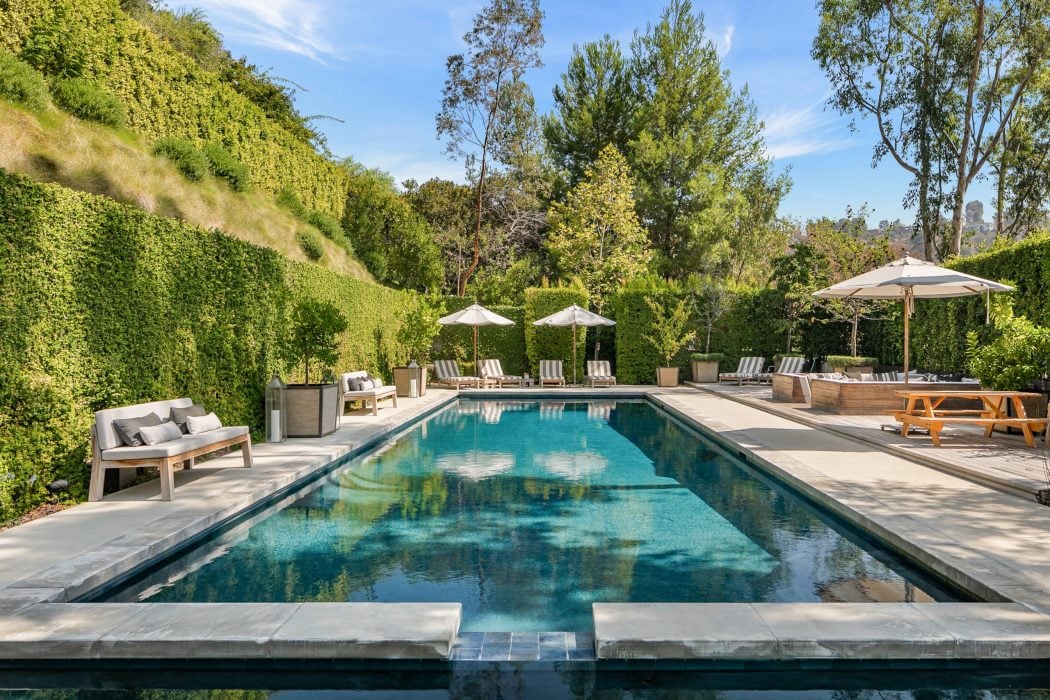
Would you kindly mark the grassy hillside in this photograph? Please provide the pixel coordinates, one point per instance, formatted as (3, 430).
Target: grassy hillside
(53, 147)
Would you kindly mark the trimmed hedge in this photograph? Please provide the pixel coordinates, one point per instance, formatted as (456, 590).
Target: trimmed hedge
(186, 157)
(543, 343)
(504, 343)
(165, 92)
(222, 164)
(104, 305)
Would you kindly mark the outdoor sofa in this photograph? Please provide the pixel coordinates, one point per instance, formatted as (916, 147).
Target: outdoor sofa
(110, 451)
(350, 385)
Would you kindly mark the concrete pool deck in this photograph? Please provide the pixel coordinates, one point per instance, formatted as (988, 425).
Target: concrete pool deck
(990, 543)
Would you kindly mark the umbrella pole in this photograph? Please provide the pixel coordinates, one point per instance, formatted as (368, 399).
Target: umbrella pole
(574, 353)
(907, 315)
(477, 372)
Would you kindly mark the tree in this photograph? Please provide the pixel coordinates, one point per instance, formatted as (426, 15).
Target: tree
(446, 206)
(1022, 167)
(595, 235)
(593, 108)
(486, 106)
(669, 328)
(314, 334)
(703, 178)
(974, 212)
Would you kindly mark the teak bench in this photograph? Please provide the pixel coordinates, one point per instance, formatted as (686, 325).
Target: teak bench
(107, 451)
(991, 414)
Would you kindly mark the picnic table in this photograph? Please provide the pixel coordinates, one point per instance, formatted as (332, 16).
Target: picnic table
(922, 409)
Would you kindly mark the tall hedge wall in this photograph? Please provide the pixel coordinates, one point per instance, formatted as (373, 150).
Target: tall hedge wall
(103, 305)
(166, 94)
(505, 343)
(542, 343)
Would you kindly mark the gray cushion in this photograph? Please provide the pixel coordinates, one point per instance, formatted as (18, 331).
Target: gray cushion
(355, 383)
(128, 428)
(176, 447)
(156, 434)
(107, 434)
(179, 415)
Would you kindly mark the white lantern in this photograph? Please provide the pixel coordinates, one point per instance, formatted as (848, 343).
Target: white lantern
(276, 410)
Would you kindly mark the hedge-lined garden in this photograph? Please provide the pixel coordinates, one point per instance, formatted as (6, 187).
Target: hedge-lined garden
(165, 94)
(103, 305)
(549, 343)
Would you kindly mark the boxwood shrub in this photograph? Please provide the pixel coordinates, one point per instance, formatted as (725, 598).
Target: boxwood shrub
(310, 244)
(223, 164)
(184, 155)
(87, 100)
(21, 84)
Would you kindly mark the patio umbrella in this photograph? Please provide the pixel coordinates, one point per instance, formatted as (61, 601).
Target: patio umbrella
(475, 315)
(574, 316)
(908, 279)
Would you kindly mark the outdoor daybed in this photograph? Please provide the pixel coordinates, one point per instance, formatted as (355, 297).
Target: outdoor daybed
(109, 450)
(350, 385)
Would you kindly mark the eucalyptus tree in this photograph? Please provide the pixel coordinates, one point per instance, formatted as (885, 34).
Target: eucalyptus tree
(1021, 167)
(698, 148)
(487, 108)
(593, 108)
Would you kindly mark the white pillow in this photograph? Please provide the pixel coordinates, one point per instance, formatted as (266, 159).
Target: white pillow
(366, 384)
(202, 424)
(377, 383)
(156, 434)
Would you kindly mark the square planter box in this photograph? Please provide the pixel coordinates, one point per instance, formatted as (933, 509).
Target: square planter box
(705, 372)
(313, 409)
(666, 376)
(404, 375)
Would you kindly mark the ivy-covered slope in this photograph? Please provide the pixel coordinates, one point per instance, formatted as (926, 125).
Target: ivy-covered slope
(104, 305)
(165, 93)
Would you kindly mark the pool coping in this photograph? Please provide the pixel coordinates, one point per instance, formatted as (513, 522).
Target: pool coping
(37, 622)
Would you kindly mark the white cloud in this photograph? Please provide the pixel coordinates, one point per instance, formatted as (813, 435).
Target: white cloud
(803, 131)
(293, 26)
(725, 42)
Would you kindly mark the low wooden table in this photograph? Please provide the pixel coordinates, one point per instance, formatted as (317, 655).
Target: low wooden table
(922, 408)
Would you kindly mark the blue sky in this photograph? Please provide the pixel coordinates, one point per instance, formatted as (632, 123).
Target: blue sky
(380, 67)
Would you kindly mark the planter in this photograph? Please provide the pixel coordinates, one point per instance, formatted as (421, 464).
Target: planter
(403, 377)
(666, 376)
(705, 372)
(854, 371)
(313, 409)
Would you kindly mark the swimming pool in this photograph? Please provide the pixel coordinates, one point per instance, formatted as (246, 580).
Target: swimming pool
(526, 512)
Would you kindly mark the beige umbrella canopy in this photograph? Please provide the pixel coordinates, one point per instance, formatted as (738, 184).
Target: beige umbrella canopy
(907, 279)
(475, 315)
(574, 316)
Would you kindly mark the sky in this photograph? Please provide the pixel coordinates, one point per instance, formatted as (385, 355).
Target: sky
(380, 67)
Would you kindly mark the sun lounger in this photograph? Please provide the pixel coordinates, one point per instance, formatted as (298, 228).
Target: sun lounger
(551, 373)
(448, 374)
(372, 395)
(599, 373)
(747, 371)
(492, 374)
(788, 365)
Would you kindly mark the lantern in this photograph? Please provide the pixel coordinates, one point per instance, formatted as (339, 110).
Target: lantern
(276, 410)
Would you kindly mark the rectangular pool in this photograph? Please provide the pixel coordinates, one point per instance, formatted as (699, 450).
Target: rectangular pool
(526, 512)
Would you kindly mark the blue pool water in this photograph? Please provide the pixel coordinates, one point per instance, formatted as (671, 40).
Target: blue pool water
(526, 513)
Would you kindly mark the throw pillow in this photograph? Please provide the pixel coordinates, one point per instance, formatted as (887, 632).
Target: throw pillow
(156, 434)
(203, 424)
(366, 384)
(377, 383)
(127, 429)
(179, 415)
(355, 383)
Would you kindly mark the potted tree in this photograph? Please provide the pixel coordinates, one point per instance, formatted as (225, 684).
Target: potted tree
(669, 335)
(314, 409)
(416, 337)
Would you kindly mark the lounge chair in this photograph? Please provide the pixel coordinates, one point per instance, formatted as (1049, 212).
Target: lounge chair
(747, 371)
(492, 374)
(551, 373)
(372, 395)
(599, 373)
(788, 365)
(448, 374)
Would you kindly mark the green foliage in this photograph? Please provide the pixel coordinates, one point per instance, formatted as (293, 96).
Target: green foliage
(505, 343)
(420, 328)
(103, 305)
(222, 164)
(86, 100)
(847, 361)
(707, 357)
(20, 84)
(1018, 355)
(167, 94)
(448, 208)
(544, 343)
(314, 335)
(189, 32)
(186, 157)
(392, 240)
(670, 332)
(311, 245)
(329, 226)
(491, 285)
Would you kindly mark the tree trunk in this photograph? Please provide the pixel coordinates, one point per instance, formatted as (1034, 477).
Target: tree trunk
(853, 331)
(463, 278)
(707, 345)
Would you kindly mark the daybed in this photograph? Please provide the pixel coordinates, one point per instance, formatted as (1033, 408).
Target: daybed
(371, 395)
(108, 450)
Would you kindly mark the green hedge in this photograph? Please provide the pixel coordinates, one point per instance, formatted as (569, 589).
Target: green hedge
(104, 305)
(165, 92)
(542, 343)
(505, 343)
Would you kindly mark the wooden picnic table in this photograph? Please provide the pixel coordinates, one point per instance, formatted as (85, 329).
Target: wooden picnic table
(922, 409)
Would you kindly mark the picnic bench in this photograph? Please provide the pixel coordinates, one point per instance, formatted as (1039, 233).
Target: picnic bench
(923, 409)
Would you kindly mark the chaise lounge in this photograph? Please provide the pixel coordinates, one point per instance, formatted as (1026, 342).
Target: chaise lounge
(492, 374)
(599, 373)
(551, 373)
(447, 374)
(748, 370)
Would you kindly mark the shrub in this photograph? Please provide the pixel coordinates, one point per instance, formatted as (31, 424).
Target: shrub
(186, 157)
(288, 199)
(545, 343)
(314, 337)
(327, 225)
(1016, 358)
(311, 244)
(670, 328)
(707, 356)
(845, 361)
(223, 164)
(20, 84)
(86, 100)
